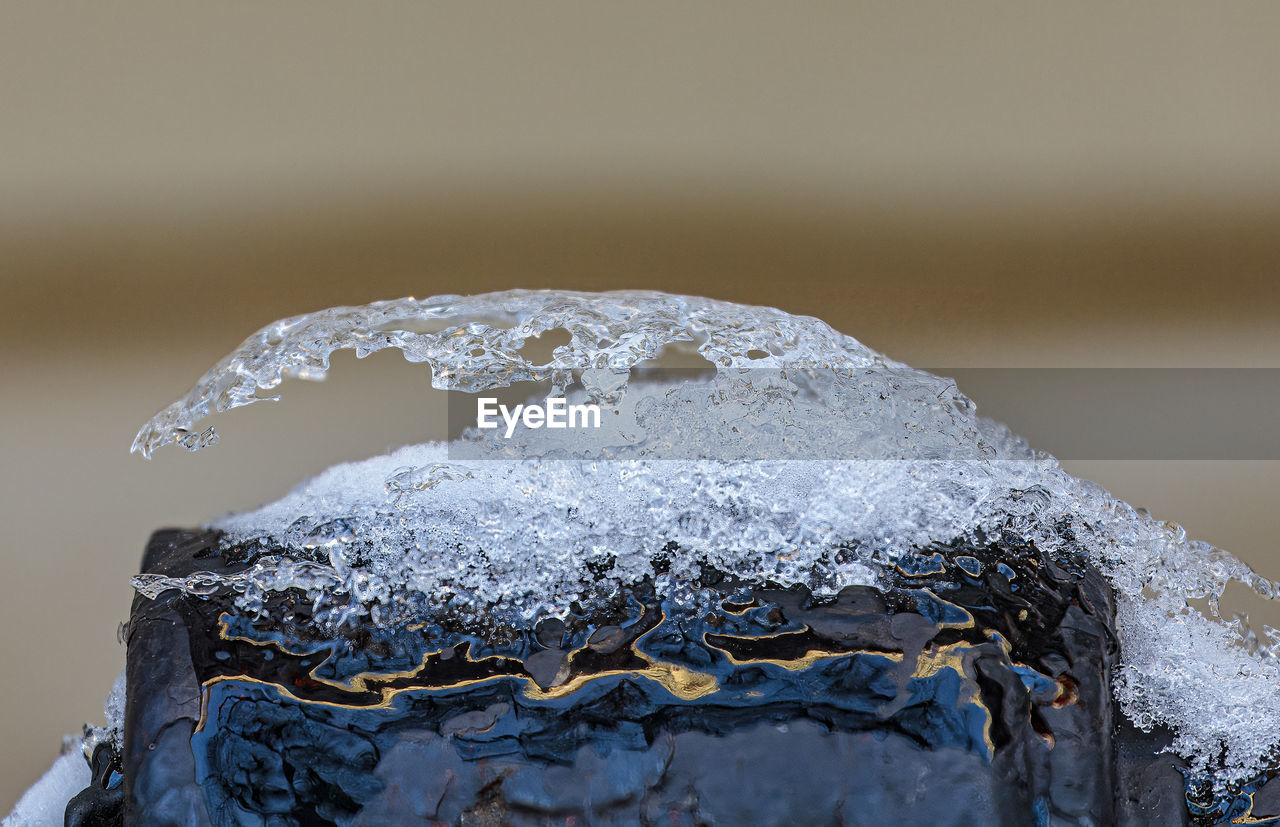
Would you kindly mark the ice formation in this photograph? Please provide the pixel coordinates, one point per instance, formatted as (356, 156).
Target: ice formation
(113, 710)
(44, 804)
(806, 458)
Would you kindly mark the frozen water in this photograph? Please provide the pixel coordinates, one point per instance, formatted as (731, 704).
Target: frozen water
(473, 343)
(807, 458)
(44, 804)
(113, 708)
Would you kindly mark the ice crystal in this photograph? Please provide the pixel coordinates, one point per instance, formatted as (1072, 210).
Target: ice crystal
(806, 458)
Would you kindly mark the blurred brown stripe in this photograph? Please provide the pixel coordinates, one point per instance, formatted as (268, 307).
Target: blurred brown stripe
(863, 270)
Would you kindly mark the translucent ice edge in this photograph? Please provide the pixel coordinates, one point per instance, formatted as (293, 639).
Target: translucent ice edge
(532, 535)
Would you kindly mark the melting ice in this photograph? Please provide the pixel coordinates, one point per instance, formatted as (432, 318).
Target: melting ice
(804, 457)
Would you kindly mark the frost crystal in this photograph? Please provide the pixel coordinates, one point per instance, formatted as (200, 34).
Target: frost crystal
(804, 458)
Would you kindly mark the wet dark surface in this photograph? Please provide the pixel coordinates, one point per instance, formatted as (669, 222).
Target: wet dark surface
(101, 804)
(976, 691)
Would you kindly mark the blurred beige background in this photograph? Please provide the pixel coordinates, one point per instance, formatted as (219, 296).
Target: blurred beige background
(973, 185)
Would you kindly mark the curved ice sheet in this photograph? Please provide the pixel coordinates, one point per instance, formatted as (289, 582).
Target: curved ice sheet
(473, 343)
(806, 459)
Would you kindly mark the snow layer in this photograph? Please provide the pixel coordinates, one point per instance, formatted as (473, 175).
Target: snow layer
(44, 804)
(806, 458)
